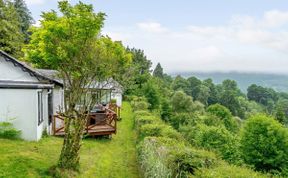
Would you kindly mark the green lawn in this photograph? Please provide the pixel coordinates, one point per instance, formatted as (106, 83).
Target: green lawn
(99, 157)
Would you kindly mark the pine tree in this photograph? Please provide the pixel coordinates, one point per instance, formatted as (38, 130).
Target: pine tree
(158, 71)
(11, 38)
(24, 17)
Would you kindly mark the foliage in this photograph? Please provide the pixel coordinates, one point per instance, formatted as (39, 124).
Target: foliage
(281, 111)
(203, 94)
(11, 37)
(219, 140)
(8, 131)
(228, 97)
(24, 17)
(166, 110)
(139, 71)
(139, 103)
(264, 143)
(158, 71)
(151, 92)
(223, 169)
(180, 83)
(184, 162)
(179, 119)
(145, 119)
(151, 158)
(225, 115)
(194, 85)
(262, 95)
(181, 102)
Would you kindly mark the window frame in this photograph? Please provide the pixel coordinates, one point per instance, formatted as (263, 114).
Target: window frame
(40, 108)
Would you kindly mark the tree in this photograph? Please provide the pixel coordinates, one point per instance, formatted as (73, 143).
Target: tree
(264, 143)
(281, 112)
(24, 17)
(213, 96)
(151, 92)
(182, 102)
(194, 85)
(139, 70)
(225, 115)
(158, 71)
(166, 110)
(72, 44)
(264, 96)
(228, 97)
(203, 94)
(11, 38)
(180, 83)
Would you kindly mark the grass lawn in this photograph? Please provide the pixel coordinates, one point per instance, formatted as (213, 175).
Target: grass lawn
(99, 157)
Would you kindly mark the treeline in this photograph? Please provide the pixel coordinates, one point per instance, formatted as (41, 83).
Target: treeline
(243, 129)
(15, 20)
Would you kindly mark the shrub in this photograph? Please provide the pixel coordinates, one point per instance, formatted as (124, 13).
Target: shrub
(142, 120)
(142, 113)
(151, 130)
(166, 110)
(8, 131)
(264, 143)
(184, 162)
(219, 140)
(225, 115)
(212, 120)
(223, 169)
(151, 157)
(169, 132)
(140, 105)
(179, 119)
(151, 92)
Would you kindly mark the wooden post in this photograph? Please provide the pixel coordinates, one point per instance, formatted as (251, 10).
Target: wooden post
(53, 124)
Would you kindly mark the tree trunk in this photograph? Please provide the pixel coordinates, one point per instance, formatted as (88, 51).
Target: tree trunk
(74, 129)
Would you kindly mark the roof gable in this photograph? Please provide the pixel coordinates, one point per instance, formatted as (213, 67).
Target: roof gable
(14, 70)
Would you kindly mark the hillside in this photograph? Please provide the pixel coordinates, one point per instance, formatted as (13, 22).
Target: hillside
(277, 82)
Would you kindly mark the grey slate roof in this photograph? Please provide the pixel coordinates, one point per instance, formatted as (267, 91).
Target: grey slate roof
(33, 72)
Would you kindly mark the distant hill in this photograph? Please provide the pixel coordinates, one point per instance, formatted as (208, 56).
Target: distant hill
(277, 82)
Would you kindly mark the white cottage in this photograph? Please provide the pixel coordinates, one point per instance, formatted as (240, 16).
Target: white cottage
(106, 91)
(28, 97)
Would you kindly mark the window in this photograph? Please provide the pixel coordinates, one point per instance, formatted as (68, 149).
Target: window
(40, 107)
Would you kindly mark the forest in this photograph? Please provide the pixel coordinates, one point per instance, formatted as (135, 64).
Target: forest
(186, 127)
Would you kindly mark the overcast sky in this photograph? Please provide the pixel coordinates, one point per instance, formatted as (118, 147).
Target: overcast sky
(194, 35)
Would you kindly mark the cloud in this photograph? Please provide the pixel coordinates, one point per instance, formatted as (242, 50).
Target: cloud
(275, 18)
(245, 43)
(34, 2)
(152, 27)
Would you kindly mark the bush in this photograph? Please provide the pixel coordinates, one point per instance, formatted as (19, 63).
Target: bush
(179, 119)
(8, 131)
(223, 169)
(166, 110)
(212, 120)
(152, 130)
(219, 140)
(169, 132)
(225, 115)
(151, 157)
(142, 120)
(142, 113)
(264, 143)
(140, 105)
(184, 162)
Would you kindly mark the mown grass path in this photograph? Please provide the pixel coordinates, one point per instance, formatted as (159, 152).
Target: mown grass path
(100, 158)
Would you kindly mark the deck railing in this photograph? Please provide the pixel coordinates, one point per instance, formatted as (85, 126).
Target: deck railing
(97, 123)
